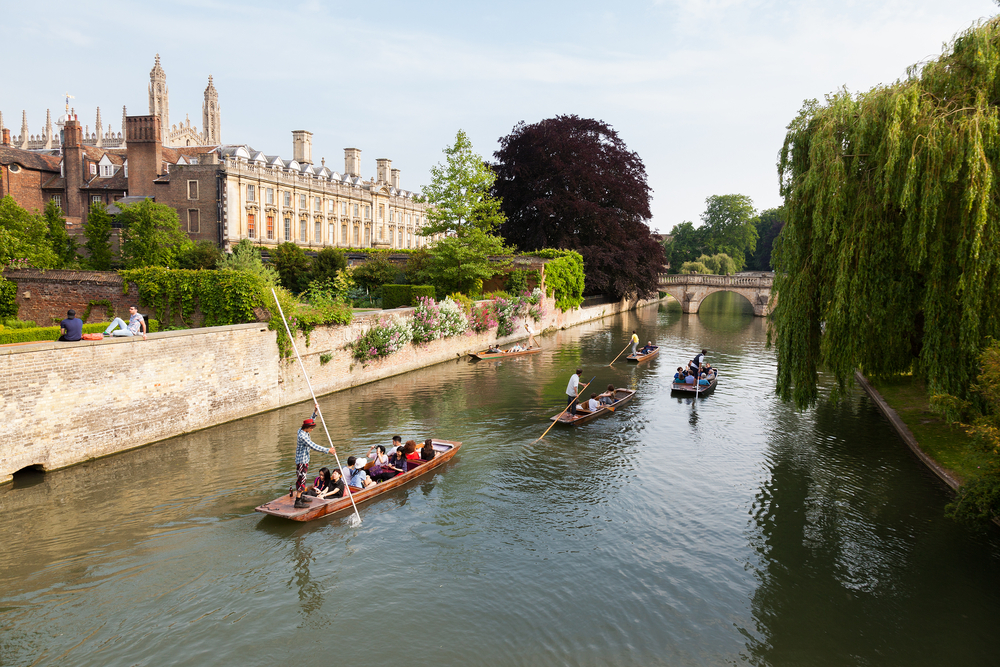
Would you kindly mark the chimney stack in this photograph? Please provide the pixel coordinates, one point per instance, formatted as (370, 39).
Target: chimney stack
(144, 152)
(302, 146)
(6, 137)
(395, 178)
(352, 162)
(73, 166)
(383, 166)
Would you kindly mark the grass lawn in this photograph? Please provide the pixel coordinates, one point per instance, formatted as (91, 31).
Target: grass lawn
(947, 444)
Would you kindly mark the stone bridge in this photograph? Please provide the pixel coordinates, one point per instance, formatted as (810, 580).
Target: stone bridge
(691, 289)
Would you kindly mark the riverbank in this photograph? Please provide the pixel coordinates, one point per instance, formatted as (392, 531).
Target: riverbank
(942, 447)
(67, 403)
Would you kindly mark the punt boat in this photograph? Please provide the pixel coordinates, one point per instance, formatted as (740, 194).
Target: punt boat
(282, 507)
(622, 396)
(504, 355)
(683, 388)
(643, 357)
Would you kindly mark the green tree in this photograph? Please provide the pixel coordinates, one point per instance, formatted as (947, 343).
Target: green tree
(151, 235)
(720, 264)
(245, 256)
(292, 265)
(97, 231)
(200, 255)
(769, 224)
(889, 261)
(729, 226)
(375, 272)
(685, 243)
(463, 208)
(327, 263)
(62, 244)
(24, 236)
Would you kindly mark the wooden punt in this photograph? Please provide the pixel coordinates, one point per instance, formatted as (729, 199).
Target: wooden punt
(622, 397)
(689, 388)
(643, 357)
(504, 355)
(282, 506)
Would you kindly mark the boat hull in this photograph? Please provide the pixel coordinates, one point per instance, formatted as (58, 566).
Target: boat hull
(644, 357)
(690, 389)
(581, 418)
(283, 505)
(488, 356)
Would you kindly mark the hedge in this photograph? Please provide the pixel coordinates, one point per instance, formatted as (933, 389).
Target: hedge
(45, 334)
(419, 291)
(394, 296)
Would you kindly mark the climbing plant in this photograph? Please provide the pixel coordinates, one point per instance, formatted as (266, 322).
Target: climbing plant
(890, 257)
(564, 278)
(223, 297)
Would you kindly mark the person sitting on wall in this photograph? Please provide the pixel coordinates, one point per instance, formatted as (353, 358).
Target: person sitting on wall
(71, 328)
(135, 322)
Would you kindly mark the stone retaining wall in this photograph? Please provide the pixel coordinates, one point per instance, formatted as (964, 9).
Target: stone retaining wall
(65, 403)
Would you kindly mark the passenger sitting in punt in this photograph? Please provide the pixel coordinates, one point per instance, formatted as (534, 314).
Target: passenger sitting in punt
(648, 348)
(427, 451)
(704, 381)
(590, 406)
(410, 451)
(689, 378)
(517, 348)
(397, 460)
(327, 484)
(680, 375)
(608, 397)
(355, 473)
(381, 470)
(494, 349)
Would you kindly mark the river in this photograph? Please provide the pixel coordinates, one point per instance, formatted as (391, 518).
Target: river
(728, 530)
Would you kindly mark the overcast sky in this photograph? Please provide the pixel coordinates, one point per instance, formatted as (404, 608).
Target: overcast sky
(701, 89)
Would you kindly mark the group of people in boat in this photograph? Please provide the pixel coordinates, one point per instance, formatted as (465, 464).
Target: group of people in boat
(596, 401)
(359, 473)
(698, 370)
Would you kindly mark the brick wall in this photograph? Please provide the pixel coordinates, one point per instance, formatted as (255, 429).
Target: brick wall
(25, 187)
(45, 296)
(198, 210)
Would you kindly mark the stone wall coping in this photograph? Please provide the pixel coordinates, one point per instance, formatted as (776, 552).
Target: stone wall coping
(59, 275)
(7, 350)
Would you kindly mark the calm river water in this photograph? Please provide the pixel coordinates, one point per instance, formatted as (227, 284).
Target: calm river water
(731, 531)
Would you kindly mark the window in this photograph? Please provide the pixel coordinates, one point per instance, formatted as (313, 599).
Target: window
(356, 242)
(302, 202)
(250, 193)
(333, 234)
(390, 236)
(106, 170)
(57, 199)
(355, 210)
(93, 169)
(381, 211)
(251, 225)
(409, 240)
(381, 233)
(332, 207)
(270, 228)
(391, 215)
(288, 199)
(343, 232)
(95, 199)
(368, 212)
(318, 204)
(193, 189)
(318, 236)
(288, 228)
(368, 236)
(343, 208)
(194, 220)
(270, 195)
(302, 230)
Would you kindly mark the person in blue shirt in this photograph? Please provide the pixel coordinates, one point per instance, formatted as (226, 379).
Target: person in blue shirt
(71, 327)
(355, 473)
(704, 380)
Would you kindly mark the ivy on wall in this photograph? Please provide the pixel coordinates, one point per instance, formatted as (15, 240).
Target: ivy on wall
(109, 309)
(564, 278)
(223, 297)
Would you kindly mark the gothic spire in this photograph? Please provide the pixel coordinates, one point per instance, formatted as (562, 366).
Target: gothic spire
(100, 130)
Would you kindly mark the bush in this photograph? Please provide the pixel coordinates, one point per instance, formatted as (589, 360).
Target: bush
(19, 324)
(390, 335)
(564, 278)
(328, 262)
(394, 296)
(376, 272)
(292, 265)
(426, 320)
(8, 299)
(46, 334)
(200, 255)
(696, 267)
(418, 291)
(464, 302)
(481, 318)
(517, 281)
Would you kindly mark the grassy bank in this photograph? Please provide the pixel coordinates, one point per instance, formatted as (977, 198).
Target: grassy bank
(945, 443)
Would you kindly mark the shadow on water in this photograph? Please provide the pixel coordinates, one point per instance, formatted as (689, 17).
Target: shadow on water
(725, 313)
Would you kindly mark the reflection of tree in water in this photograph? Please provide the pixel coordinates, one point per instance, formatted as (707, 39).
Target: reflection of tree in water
(725, 312)
(839, 548)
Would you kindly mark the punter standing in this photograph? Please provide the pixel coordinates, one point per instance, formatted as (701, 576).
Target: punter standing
(303, 443)
(635, 342)
(573, 391)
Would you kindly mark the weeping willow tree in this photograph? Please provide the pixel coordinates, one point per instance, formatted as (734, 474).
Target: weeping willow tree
(889, 259)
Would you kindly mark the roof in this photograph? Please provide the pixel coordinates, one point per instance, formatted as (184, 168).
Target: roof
(124, 201)
(118, 181)
(28, 159)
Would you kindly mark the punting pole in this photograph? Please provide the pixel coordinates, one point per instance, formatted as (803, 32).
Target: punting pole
(579, 391)
(356, 519)
(619, 354)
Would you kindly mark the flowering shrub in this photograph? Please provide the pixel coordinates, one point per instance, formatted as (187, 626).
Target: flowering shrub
(507, 312)
(388, 336)
(533, 303)
(481, 318)
(453, 321)
(426, 320)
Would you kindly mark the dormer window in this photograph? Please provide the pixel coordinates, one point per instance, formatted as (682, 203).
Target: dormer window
(106, 171)
(93, 169)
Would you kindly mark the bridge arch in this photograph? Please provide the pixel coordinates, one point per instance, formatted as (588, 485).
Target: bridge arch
(691, 289)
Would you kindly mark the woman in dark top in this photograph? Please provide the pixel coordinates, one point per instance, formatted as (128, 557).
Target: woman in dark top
(381, 470)
(325, 485)
(397, 460)
(427, 451)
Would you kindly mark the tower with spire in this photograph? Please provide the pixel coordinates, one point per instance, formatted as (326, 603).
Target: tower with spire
(211, 115)
(159, 102)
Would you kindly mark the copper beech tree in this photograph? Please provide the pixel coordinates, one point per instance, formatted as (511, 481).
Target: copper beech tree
(569, 182)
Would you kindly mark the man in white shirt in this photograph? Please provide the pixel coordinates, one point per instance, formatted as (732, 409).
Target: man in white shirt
(593, 404)
(573, 391)
(531, 336)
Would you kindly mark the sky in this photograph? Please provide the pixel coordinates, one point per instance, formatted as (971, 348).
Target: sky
(701, 90)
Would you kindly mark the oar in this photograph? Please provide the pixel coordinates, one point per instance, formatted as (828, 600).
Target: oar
(580, 391)
(619, 354)
(356, 520)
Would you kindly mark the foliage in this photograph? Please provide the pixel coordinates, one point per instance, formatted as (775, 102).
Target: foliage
(245, 256)
(199, 255)
(390, 335)
(394, 296)
(43, 334)
(306, 317)
(416, 267)
(459, 193)
(535, 307)
(375, 272)
(292, 265)
(890, 256)
(436, 320)
(695, 267)
(62, 244)
(223, 297)
(769, 224)
(417, 291)
(8, 299)
(517, 281)
(685, 243)
(564, 279)
(978, 498)
(481, 317)
(325, 358)
(97, 231)
(24, 236)
(327, 263)
(720, 264)
(571, 183)
(729, 225)
(464, 302)
(507, 310)
(151, 235)
(453, 321)
(19, 324)
(464, 264)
